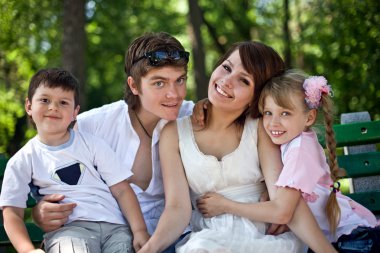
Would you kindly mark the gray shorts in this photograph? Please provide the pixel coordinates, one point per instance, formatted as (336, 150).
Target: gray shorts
(89, 236)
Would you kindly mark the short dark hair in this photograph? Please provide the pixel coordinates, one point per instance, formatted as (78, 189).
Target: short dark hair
(54, 78)
(148, 42)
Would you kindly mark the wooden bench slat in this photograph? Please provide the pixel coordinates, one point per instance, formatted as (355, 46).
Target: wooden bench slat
(370, 200)
(353, 133)
(360, 165)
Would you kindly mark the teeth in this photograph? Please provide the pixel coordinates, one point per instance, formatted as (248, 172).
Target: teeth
(221, 91)
(277, 132)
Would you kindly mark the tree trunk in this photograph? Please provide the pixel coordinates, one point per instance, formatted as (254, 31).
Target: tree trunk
(287, 38)
(195, 18)
(74, 42)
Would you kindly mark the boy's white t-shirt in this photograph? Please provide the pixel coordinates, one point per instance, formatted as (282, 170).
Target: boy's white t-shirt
(82, 169)
(111, 122)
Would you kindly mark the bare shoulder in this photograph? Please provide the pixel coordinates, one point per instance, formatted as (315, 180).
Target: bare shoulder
(169, 133)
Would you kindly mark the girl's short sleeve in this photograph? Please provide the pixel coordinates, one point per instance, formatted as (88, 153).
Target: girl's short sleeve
(303, 168)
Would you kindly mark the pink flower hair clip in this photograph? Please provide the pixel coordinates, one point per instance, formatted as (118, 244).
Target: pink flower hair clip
(314, 87)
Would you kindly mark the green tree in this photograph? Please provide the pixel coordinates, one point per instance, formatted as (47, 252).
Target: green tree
(28, 41)
(341, 40)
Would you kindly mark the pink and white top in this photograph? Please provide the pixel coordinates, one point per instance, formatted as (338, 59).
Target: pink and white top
(306, 169)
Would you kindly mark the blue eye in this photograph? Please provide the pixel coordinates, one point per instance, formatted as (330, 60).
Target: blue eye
(159, 84)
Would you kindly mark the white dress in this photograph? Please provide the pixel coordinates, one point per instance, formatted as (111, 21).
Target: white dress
(237, 176)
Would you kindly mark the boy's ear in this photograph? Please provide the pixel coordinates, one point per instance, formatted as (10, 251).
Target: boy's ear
(28, 107)
(132, 85)
(76, 111)
(311, 117)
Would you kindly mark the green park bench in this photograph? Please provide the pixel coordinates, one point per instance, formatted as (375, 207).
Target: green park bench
(360, 158)
(365, 164)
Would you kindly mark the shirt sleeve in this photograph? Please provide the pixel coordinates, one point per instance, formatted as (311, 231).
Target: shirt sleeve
(186, 109)
(302, 169)
(15, 187)
(87, 122)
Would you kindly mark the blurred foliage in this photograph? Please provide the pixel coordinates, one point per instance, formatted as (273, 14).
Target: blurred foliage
(337, 38)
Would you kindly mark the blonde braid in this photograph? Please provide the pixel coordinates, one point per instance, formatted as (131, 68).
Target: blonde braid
(332, 208)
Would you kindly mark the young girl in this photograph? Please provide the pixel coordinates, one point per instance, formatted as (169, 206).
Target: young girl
(289, 104)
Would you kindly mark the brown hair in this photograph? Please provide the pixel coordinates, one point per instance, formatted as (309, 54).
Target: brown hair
(280, 89)
(148, 42)
(54, 78)
(262, 62)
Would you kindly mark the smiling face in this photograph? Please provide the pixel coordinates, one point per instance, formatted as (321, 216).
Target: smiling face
(284, 124)
(231, 87)
(52, 110)
(162, 91)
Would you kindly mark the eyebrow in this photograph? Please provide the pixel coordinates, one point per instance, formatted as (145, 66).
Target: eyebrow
(158, 77)
(245, 73)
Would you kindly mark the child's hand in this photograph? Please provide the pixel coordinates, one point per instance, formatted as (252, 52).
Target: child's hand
(36, 251)
(212, 204)
(198, 116)
(139, 239)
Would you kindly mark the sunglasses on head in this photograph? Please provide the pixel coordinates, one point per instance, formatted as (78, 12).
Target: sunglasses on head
(156, 57)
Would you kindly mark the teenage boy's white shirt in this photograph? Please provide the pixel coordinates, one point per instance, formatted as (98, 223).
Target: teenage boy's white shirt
(80, 169)
(111, 122)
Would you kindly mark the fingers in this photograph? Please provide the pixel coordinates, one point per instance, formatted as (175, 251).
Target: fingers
(53, 198)
(198, 116)
(49, 215)
(272, 228)
(276, 229)
(206, 103)
(264, 196)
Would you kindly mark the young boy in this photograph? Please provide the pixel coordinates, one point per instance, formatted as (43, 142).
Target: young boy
(76, 164)
(156, 68)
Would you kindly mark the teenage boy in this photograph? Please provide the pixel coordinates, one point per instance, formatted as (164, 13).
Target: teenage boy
(156, 68)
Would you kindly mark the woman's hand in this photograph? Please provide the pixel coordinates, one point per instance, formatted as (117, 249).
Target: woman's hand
(49, 215)
(212, 204)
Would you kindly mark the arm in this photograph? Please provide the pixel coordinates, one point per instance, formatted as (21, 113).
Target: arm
(304, 225)
(16, 230)
(279, 210)
(49, 215)
(177, 212)
(130, 207)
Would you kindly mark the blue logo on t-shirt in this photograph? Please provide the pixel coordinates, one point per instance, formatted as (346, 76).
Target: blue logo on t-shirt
(70, 174)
